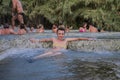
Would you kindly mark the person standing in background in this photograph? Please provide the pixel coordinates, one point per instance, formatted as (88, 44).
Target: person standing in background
(17, 12)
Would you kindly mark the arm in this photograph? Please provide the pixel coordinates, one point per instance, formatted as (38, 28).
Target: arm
(41, 40)
(74, 39)
(12, 31)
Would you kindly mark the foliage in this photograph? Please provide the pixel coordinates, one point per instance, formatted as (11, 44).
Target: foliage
(105, 13)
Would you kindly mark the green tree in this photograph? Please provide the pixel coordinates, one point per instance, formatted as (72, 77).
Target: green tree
(105, 13)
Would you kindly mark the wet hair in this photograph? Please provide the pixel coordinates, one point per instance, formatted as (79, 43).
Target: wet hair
(54, 27)
(84, 24)
(6, 26)
(22, 26)
(61, 26)
(55, 24)
(91, 23)
(99, 29)
(39, 26)
(62, 29)
(87, 26)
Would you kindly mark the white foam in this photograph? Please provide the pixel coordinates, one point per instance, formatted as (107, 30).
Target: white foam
(20, 52)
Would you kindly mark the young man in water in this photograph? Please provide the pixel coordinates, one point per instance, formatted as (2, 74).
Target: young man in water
(17, 12)
(59, 44)
(7, 30)
(22, 30)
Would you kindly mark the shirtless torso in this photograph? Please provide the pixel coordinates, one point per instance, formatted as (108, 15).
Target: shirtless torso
(93, 29)
(7, 31)
(21, 32)
(59, 44)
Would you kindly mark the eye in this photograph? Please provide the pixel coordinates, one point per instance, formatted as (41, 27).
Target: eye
(61, 33)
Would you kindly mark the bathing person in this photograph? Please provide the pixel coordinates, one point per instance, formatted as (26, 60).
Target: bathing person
(7, 30)
(92, 28)
(83, 28)
(61, 26)
(59, 43)
(54, 28)
(32, 27)
(22, 30)
(40, 28)
(67, 29)
(17, 12)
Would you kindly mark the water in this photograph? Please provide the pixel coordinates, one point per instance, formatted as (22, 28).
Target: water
(71, 65)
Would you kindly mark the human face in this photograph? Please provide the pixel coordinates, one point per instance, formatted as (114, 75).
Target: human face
(60, 34)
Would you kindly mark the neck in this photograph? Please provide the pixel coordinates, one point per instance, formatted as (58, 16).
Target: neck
(60, 39)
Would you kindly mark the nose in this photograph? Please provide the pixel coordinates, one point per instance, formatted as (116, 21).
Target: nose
(60, 34)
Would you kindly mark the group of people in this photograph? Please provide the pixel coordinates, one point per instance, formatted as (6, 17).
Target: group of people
(55, 27)
(17, 13)
(40, 29)
(59, 43)
(89, 28)
(8, 30)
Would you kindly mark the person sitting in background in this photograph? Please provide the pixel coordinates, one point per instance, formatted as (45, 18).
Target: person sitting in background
(83, 28)
(92, 28)
(7, 30)
(102, 30)
(32, 26)
(22, 30)
(40, 28)
(61, 26)
(31, 29)
(67, 29)
(71, 27)
(54, 28)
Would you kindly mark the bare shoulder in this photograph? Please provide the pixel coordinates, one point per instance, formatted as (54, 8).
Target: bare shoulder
(74, 39)
(11, 30)
(48, 39)
(68, 39)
